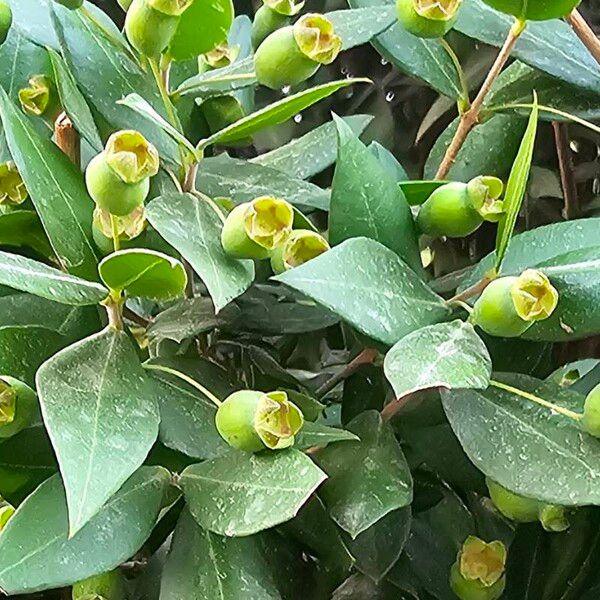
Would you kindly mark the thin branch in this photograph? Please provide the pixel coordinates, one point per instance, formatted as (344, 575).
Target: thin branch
(464, 101)
(395, 406)
(585, 33)
(135, 318)
(471, 291)
(470, 118)
(366, 357)
(565, 163)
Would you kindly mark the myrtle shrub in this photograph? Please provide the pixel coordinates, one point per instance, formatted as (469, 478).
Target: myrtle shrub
(235, 369)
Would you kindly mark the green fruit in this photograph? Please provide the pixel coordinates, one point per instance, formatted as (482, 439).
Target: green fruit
(292, 54)
(110, 192)
(254, 229)
(253, 421)
(554, 518)
(534, 10)
(5, 20)
(266, 21)
(427, 19)
(300, 247)
(221, 111)
(449, 212)
(468, 589)
(513, 506)
(19, 406)
(591, 413)
(72, 4)
(109, 586)
(151, 24)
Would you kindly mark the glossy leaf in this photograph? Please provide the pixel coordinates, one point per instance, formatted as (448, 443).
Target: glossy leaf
(313, 152)
(241, 493)
(193, 227)
(515, 187)
(416, 192)
(143, 273)
(385, 301)
(447, 355)
(102, 419)
(39, 558)
(37, 278)
(56, 188)
(526, 447)
(278, 112)
(367, 202)
(388, 161)
(366, 479)
(359, 26)
(317, 434)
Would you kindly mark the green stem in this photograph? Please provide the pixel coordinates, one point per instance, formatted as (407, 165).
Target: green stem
(115, 233)
(554, 407)
(464, 102)
(185, 378)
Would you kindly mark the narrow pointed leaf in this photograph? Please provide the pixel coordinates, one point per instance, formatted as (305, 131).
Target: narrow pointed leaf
(317, 434)
(358, 26)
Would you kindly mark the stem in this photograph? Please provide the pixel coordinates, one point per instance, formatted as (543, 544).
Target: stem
(114, 309)
(366, 357)
(559, 409)
(585, 33)
(161, 79)
(115, 233)
(471, 292)
(67, 138)
(395, 406)
(470, 118)
(565, 164)
(185, 378)
(463, 101)
(189, 183)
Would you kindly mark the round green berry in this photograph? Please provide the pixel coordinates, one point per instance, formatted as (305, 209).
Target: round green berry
(427, 19)
(591, 413)
(513, 506)
(469, 589)
(6, 19)
(534, 10)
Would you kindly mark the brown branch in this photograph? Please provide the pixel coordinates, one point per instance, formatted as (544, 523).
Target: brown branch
(470, 118)
(67, 138)
(366, 357)
(395, 406)
(585, 33)
(565, 164)
(471, 291)
(134, 317)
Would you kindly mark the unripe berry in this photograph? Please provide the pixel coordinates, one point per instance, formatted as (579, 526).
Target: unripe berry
(72, 4)
(151, 24)
(254, 229)
(221, 111)
(513, 506)
(272, 15)
(591, 413)
(292, 54)
(12, 189)
(301, 246)
(427, 19)
(253, 421)
(107, 586)
(534, 10)
(510, 305)
(6, 19)
(18, 406)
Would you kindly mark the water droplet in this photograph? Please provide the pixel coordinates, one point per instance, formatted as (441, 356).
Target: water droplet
(298, 118)
(384, 62)
(286, 90)
(390, 96)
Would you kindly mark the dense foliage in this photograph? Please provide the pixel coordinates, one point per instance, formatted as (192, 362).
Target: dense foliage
(245, 355)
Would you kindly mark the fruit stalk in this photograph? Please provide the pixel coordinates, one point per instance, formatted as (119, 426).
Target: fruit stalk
(585, 33)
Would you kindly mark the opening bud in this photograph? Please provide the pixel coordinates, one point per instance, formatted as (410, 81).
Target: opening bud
(252, 421)
(12, 189)
(8, 403)
(301, 246)
(316, 38)
(254, 229)
(38, 98)
(484, 193)
(221, 56)
(427, 18)
(478, 573)
(131, 156)
(534, 297)
(6, 19)
(554, 518)
(289, 8)
(18, 406)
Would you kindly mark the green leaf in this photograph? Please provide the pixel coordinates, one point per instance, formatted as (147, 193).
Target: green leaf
(143, 274)
(385, 301)
(526, 447)
(359, 26)
(515, 187)
(551, 46)
(416, 192)
(367, 202)
(35, 277)
(447, 355)
(278, 112)
(193, 227)
(242, 181)
(317, 434)
(37, 558)
(73, 102)
(201, 27)
(388, 161)
(366, 479)
(425, 59)
(312, 153)
(490, 149)
(57, 190)
(187, 417)
(102, 419)
(204, 565)
(24, 228)
(241, 493)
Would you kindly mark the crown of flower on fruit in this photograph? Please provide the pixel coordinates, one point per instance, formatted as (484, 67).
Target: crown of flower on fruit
(131, 156)
(534, 297)
(303, 246)
(12, 188)
(289, 8)
(481, 561)
(437, 10)
(35, 98)
(173, 8)
(128, 227)
(484, 193)
(268, 221)
(221, 56)
(317, 39)
(277, 420)
(8, 403)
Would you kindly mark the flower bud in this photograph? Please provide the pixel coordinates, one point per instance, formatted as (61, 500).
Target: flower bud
(590, 421)
(292, 54)
(129, 228)
(534, 10)
(18, 406)
(6, 512)
(272, 15)
(5, 20)
(151, 24)
(554, 518)
(484, 193)
(12, 189)
(218, 58)
(510, 305)
(427, 18)
(301, 246)
(39, 98)
(449, 212)
(72, 4)
(252, 421)
(478, 573)
(254, 229)
(513, 506)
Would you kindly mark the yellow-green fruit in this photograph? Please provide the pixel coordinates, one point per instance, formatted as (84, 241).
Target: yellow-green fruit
(449, 212)
(5, 20)
(72, 4)
(554, 518)
(301, 246)
(265, 22)
(468, 589)
(12, 188)
(513, 506)
(221, 111)
(107, 586)
(151, 24)
(534, 10)
(254, 229)
(18, 406)
(253, 421)
(427, 19)
(591, 413)
(40, 97)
